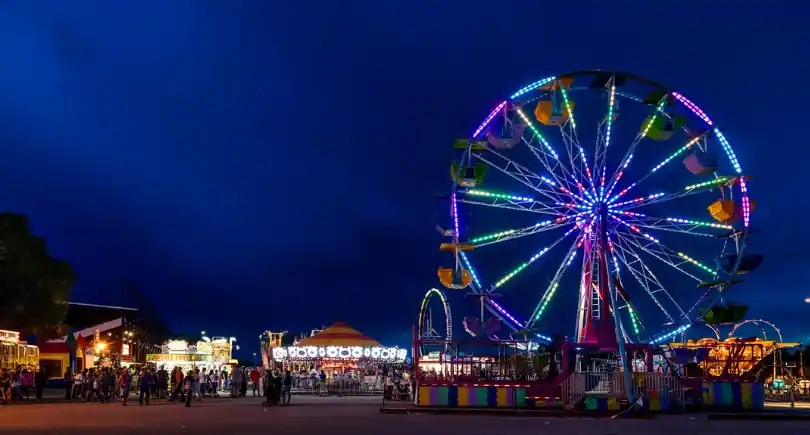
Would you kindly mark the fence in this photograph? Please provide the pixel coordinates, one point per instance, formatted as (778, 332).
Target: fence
(366, 386)
(578, 385)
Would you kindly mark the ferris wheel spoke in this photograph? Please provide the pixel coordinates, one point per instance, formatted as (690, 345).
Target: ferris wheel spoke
(568, 132)
(516, 206)
(660, 165)
(549, 158)
(552, 286)
(628, 155)
(603, 136)
(653, 247)
(506, 235)
(676, 225)
(644, 276)
(526, 202)
(531, 260)
(656, 198)
(523, 175)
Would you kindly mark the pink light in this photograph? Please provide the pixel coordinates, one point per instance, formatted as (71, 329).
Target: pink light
(693, 107)
(488, 119)
(455, 215)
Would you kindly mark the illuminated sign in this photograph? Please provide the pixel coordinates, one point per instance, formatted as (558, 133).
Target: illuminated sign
(9, 336)
(204, 347)
(125, 349)
(177, 346)
(177, 357)
(341, 352)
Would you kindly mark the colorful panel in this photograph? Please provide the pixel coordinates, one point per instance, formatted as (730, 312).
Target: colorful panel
(737, 395)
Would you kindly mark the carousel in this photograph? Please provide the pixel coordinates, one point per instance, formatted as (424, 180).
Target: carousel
(335, 350)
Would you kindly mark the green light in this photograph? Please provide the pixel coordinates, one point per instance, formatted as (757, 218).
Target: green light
(488, 194)
(718, 180)
(568, 107)
(546, 301)
(492, 236)
(696, 263)
(658, 108)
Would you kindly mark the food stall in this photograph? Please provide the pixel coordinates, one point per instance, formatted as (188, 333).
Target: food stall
(15, 353)
(206, 355)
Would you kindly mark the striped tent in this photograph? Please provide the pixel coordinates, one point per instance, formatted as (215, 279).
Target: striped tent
(339, 334)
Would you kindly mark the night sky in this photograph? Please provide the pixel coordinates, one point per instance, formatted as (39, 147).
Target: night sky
(256, 165)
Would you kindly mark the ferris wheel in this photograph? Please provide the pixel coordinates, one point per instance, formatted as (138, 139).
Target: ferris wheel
(627, 192)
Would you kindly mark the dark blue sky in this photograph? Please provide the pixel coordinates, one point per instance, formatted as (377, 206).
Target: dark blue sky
(255, 165)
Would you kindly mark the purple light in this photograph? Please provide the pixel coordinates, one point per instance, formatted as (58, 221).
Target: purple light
(693, 107)
(488, 119)
(455, 215)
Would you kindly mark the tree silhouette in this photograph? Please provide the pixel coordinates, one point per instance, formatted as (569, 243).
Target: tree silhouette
(34, 286)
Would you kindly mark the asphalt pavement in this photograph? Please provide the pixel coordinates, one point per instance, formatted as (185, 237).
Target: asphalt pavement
(350, 415)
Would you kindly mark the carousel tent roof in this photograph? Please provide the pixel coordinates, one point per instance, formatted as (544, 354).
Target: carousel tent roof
(339, 334)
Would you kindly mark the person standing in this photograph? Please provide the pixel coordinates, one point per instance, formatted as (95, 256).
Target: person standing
(40, 379)
(236, 382)
(124, 381)
(68, 378)
(254, 379)
(145, 383)
(162, 382)
(187, 382)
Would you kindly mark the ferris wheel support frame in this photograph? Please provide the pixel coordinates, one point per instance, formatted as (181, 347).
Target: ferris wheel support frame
(548, 158)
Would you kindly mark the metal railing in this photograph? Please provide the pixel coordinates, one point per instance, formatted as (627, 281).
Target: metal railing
(578, 385)
(339, 387)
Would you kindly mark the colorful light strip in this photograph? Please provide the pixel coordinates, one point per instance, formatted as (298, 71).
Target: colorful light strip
(699, 223)
(670, 334)
(727, 148)
(693, 107)
(531, 260)
(637, 200)
(568, 107)
(676, 153)
(470, 268)
(488, 119)
(582, 155)
(532, 86)
(696, 263)
(636, 229)
(553, 290)
(478, 192)
(538, 135)
(633, 318)
(508, 232)
(492, 236)
(607, 138)
(718, 180)
(455, 215)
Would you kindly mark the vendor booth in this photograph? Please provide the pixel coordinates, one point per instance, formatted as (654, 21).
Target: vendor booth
(206, 354)
(15, 353)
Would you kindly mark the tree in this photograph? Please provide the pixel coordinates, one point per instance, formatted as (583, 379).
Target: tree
(34, 286)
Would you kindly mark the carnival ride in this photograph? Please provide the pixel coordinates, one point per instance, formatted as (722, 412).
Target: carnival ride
(630, 245)
(734, 355)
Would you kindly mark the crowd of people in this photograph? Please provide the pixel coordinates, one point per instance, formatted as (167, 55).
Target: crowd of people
(17, 384)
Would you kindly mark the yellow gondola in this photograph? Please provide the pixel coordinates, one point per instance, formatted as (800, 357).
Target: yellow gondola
(453, 279)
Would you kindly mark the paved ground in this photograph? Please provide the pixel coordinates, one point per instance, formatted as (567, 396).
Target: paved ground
(349, 415)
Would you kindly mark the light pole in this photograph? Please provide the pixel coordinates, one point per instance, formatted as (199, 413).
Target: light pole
(230, 347)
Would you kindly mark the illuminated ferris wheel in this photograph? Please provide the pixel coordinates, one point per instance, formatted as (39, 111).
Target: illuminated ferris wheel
(611, 177)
